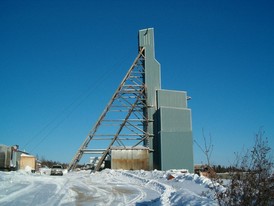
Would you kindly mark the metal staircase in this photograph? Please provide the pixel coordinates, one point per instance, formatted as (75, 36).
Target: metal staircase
(124, 121)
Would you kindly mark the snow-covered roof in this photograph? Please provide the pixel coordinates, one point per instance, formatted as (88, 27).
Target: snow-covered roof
(26, 155)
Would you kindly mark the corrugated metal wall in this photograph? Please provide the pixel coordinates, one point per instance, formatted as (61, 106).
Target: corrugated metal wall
(130, 159)
(174, 131)
(171, 98)
(152, 80)
(171, 125)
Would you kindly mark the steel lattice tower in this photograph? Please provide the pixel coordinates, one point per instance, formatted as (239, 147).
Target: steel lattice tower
(124, 120)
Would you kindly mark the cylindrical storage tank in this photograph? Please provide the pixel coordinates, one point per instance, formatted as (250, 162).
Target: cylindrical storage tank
(5, 157)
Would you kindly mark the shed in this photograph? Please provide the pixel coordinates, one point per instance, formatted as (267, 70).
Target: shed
(27, 162)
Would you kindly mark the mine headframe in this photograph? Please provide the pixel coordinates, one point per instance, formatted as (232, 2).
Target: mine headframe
(124, 120)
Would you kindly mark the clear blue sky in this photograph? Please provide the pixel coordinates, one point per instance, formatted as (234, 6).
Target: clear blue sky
(61, 61)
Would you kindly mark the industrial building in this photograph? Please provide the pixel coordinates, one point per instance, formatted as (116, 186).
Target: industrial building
(143, 126)
(11, 158)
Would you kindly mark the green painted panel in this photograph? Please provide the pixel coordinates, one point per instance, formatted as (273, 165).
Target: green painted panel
(152, 78)
(176, 150)
(175, 142)
(175, 119)
(170, 98)
(172, 119)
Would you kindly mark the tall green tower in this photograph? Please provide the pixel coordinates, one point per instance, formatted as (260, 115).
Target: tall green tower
(168, 114)
(152, 82)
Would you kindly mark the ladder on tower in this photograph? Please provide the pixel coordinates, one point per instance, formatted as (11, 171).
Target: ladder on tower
(124, 120)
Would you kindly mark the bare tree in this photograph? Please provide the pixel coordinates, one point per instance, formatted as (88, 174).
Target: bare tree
(251, 182)
(207, 150)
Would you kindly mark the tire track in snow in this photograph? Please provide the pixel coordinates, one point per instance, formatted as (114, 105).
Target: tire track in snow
(141, 193)
(33, 191)
(164, 190)
(15, 192)
(108, 187)
(104, 188)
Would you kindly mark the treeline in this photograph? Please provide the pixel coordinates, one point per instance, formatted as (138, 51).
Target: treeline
(224, 169)
(50, 163)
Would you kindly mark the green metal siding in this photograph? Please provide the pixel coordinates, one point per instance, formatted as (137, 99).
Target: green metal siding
(152, 79)
(175, 134)
(174, 131)
(171, 125)
(175, 138)
(176, 150)
(175, 119)
(170, 98)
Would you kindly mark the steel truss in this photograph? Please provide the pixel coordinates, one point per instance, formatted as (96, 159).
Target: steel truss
(124, 121)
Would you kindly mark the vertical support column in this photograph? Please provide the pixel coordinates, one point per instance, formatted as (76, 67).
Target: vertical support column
(152, 80)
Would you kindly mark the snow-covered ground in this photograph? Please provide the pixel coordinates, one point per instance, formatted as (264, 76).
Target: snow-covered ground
(108, 187)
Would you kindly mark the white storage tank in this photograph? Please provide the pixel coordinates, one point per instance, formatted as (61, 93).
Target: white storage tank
(5, 157)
